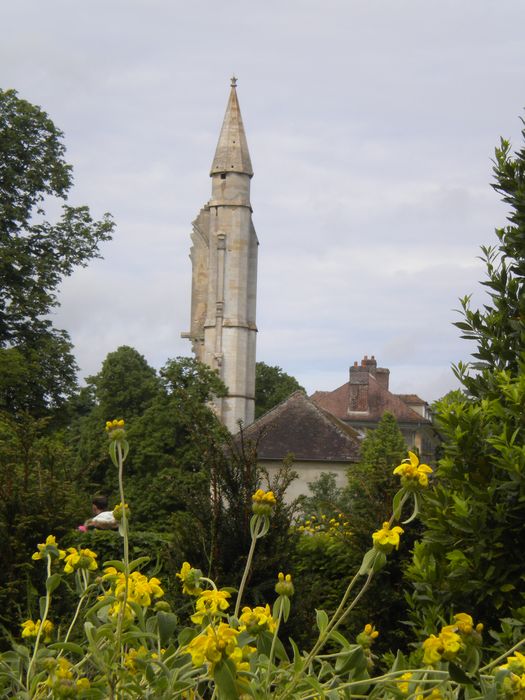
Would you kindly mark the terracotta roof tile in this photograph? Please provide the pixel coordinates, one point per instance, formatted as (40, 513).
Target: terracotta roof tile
(380, 400)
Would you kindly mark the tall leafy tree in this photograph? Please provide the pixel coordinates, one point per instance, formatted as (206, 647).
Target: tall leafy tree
(498, 329)
(272, 385)
(35, 255)
(468, 557)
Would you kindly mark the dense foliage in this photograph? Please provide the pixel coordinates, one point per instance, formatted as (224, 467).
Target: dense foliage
(474, 517)
(336, 534)
(122, 640)
(272, 385)
(36, 362)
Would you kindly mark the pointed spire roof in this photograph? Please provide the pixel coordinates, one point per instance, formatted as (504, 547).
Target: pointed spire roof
(232, 155)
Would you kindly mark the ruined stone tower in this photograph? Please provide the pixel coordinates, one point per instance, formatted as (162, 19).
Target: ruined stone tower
(224, 273)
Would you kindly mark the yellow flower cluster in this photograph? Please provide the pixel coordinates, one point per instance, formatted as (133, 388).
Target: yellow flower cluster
(413, 473)
(514, 683)
(62, 680)
(263, 502)
(332, 526)
(210, 604)
(387, 537)
(451, 640)
(217, 643)
(261, 496)
(141, 590)
(117, 512)
(190, 579)
(30, 630)
(135, 658)
(49, 548)
(114, 425)
(79, 559)
(254, 620)
(367, 637)
(404, 686)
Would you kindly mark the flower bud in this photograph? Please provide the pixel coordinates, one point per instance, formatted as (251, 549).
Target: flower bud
(284, 585)
(263, 502)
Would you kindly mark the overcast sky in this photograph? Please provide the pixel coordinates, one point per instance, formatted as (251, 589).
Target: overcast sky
(371, 126)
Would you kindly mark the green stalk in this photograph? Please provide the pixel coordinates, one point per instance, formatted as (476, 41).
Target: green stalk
(126, 551)
(79, 606)
(39, 633)
(272, 648)
(256, 531)
(502, 657)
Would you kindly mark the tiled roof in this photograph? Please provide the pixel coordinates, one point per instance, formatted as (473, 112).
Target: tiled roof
(337, 402)
(412, 399)
(299, 426)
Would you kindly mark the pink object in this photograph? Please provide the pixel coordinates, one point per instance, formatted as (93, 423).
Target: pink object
(82, 528)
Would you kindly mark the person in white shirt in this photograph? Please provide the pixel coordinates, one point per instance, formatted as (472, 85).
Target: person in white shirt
(102, 517)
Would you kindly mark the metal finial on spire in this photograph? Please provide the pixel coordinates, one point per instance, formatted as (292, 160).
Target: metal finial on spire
(233, 82)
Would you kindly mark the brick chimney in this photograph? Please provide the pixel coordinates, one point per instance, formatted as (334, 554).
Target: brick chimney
(359, 377)
(382, 376)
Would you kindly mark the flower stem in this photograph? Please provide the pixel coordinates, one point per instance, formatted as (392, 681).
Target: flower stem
(124, 602)
(272, 648)
(256, 531)
(502, 657)
(40, 629)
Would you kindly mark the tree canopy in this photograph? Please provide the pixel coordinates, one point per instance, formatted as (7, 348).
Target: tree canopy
(35, 255)
(474, 515)
(272, 385)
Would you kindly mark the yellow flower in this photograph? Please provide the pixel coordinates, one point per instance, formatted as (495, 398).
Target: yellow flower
(435, 694)
(141, 590)
(49, 547)
(114, 425)
(30, 630)
(284, 585)
(210, 603)
(451, 641)
(115, 430)
(190, 579)
(387, 538)
(515, 663)
(128, 614)
(263, 502)
(514, 686)
(134, 655)
(217, 643)
(367, 636)
(445, 646)
(117, 512)
(432, 648)
(464, 623)
(79, 559)
(61, 679)
(403, 683)
(412, 472)
(257, 619)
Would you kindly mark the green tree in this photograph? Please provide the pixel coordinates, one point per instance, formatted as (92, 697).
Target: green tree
(473, 518)
(371, 482)
(324, 562)
(125, 385)
(498, 329)
(272, 386)
(172, 428)
(35, 255)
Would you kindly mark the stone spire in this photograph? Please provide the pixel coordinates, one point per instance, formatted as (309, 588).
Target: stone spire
(232, 155)
(224, 274)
